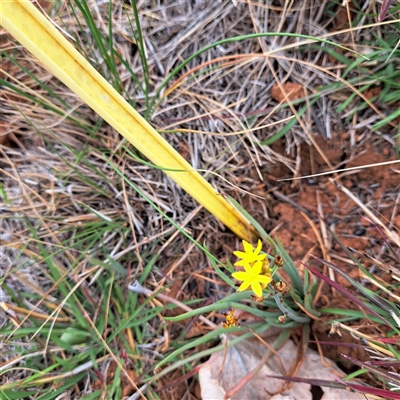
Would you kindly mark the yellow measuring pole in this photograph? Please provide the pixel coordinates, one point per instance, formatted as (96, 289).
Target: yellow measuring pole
(32, 29)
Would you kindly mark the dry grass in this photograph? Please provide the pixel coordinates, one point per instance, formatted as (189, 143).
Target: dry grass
(62, 198)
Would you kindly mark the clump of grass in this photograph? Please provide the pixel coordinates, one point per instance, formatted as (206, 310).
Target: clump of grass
(294, 306)
(379, 310)
(286, 304)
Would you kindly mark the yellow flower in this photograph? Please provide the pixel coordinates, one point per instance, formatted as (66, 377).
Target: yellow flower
(250, 255)
(251, 276)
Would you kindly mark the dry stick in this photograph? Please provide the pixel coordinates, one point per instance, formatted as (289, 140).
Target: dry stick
(144, 242)
(375, 281)
(389, 269)
(288, 200)
(340, 170)
(395, 209)
(359, 335)
(6, 307)
(221, 370)
(192, 214)
(352, 31)
(207, 115)
(266, 344)
(320, 351)
(391, 235)
(182, 258)
(128, 211)
(138, 288)
(323, 244)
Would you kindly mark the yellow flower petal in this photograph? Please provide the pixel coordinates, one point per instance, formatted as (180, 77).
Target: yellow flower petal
(250, 254)
(264, 282)
(240, 263)
(248, 248)
(256, 270)
(240, 254)
(258, 248)
(240, 276)
(244, 286)
(248, 268)
(264, 278)
(248, 257)
(256, 288)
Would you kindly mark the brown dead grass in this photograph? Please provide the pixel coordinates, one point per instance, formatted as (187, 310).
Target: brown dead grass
(47, 159)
